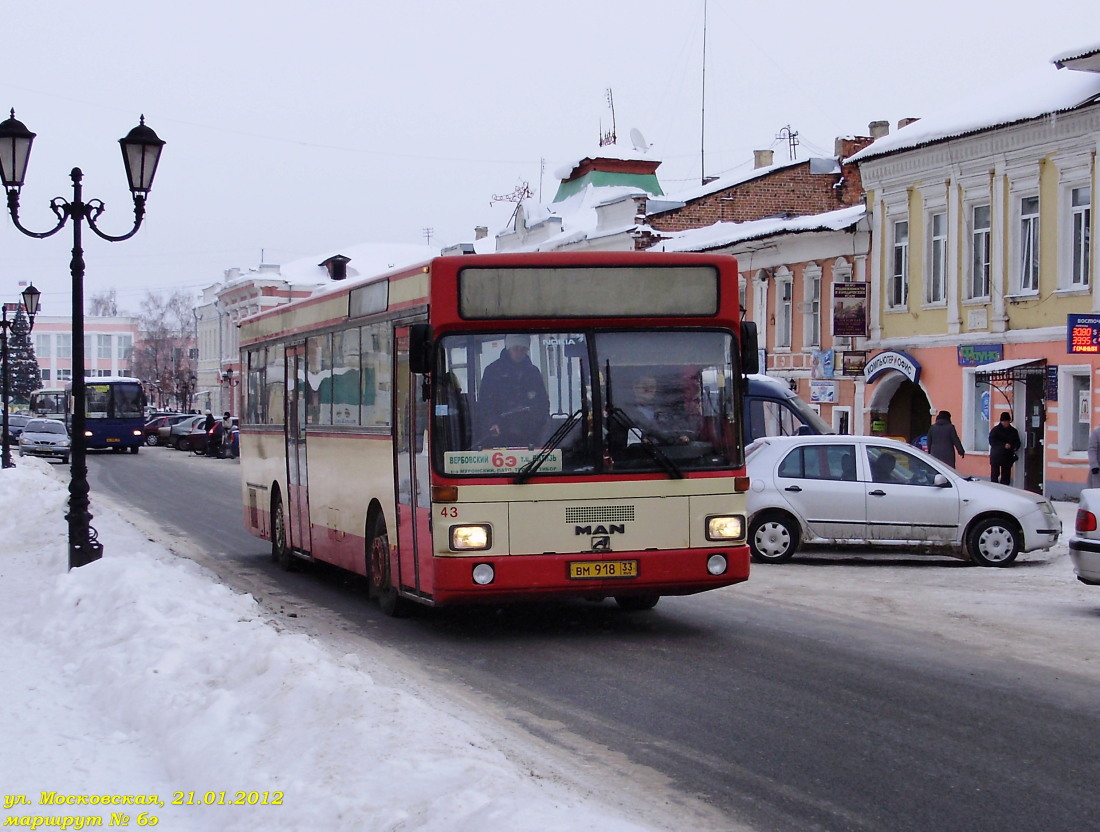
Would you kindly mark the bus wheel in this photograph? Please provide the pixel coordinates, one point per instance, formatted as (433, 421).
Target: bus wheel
(637, 603)
(379, 573)
(135, 448)
(280, 549)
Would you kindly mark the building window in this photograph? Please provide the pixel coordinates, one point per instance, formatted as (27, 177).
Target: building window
(899, 273)
(935, 287)
(125, 347)
(811, 310)
(1081, 231)
(42, 346)
(103, 347)
(980, 241)
(65, 346)
(1029, 244)
(785, 291)
(45, 375)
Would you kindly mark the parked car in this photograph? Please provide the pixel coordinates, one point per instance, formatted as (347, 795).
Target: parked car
(156, 422)
(198, 440)
(180, 432)
(16, 423)
(45, 437)
(1084, 546)
(872, 490)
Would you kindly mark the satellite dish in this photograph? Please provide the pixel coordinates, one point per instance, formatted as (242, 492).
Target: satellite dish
(638, 140)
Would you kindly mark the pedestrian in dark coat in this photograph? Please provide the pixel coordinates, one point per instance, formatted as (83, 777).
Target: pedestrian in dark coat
(943, 439)
(1004, 442)
(1093, 480)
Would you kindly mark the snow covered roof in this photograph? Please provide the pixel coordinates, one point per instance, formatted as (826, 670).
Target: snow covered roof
(364, 260)
(1085, 57)
(730, 233)
(736, 178)
(1033, 94)
(608, 151)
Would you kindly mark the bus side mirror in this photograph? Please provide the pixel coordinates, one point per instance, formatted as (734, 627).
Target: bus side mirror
(420, 348)
(750, 348)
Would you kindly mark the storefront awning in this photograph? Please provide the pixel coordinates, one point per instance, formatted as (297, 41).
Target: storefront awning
(1011, 369)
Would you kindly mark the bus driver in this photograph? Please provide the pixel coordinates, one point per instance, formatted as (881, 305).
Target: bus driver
(512, 403)
(657, 423)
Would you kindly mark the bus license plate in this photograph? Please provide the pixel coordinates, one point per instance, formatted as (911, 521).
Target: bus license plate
(113, 439)
(604, 569)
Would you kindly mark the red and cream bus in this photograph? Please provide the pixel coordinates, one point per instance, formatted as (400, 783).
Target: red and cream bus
(491, 428)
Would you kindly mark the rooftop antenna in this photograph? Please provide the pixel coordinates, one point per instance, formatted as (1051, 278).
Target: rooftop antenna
(792, 141)
(609, 138)
(703, 107)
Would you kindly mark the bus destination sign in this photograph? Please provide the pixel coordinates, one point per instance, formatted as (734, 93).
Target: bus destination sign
(1083, 334)
(497, 461)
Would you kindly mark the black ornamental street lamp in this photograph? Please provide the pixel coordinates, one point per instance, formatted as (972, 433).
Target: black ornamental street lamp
(30, 304)
(140, 153)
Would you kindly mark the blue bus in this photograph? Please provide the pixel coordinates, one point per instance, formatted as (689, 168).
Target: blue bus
(114, 414)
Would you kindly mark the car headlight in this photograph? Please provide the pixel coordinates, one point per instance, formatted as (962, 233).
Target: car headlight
(24, 441)
(471, 538)
(726, 527)
(64, 443)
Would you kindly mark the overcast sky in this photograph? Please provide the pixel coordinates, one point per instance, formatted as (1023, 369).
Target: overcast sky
(296, 129)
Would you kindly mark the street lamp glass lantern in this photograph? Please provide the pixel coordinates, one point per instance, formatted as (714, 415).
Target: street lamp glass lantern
(31, 297)
(15, 149)
(140, 153)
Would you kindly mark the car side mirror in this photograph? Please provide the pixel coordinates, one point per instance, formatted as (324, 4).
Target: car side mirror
(940, 481)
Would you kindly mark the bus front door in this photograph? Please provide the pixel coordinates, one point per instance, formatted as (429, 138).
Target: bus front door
(410, 448)
(297, 478)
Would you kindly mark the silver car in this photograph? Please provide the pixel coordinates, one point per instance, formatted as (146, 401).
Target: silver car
(45, 437)
(1084, 546)
(871, 490)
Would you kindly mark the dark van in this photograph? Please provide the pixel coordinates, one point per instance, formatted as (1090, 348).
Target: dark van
(773, 409)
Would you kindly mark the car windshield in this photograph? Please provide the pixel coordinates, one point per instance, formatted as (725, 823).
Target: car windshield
(582, 402)
(43, 426)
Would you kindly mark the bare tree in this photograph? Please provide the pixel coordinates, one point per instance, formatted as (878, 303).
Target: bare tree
(165, 357)
(103, 304)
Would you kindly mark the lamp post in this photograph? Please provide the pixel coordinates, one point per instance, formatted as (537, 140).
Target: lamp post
(140, 153)
(30, 304)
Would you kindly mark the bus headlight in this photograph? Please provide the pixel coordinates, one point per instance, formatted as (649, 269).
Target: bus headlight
(726, 527)
(471, 538)
(483, 574)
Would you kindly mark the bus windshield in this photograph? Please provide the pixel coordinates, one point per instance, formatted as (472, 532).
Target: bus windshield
(584, 402)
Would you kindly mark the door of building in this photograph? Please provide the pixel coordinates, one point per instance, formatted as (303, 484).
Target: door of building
(1032, 452)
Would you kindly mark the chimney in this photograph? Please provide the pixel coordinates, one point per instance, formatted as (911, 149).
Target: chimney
(481, 232)
(879, 129)
(905, 122)
(762, 158)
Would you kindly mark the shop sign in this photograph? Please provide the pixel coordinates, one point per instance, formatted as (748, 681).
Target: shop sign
(892, 360)
(850, 309)
(1083, 334)
(974, 355)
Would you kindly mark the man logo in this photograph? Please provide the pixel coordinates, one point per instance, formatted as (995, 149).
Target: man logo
(601, 544)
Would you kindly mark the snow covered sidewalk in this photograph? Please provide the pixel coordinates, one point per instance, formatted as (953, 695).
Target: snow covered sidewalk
(138, 686)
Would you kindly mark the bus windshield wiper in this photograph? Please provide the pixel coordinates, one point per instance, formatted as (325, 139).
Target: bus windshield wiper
(660, 457)
(525, 473)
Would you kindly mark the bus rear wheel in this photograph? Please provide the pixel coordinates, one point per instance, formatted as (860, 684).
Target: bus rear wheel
(379, 572)
(280, 548)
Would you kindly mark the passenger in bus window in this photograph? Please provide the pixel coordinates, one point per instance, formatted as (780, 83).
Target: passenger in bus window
(656, 417)
(512, 402)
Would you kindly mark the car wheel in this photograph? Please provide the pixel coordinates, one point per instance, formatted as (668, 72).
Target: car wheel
(637, 603)
(64, 460)
(152, 441)
(773, 538)
(184, 444)
(379, 573)
(280, 548)
(994, 541)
